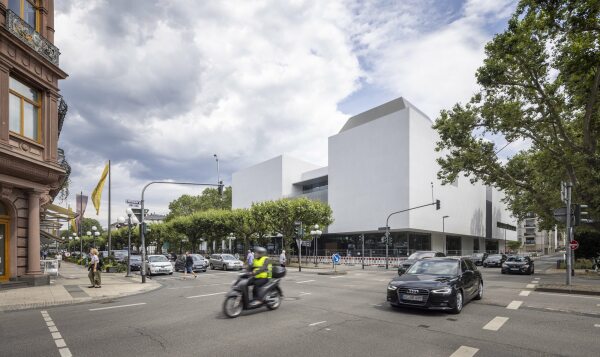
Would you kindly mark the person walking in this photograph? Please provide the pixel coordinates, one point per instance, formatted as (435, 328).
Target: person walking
(282, 259)
(250, 259)
(189, 266)
(94, 269)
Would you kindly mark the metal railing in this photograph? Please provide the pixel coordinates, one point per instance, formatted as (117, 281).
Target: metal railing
(23, 31)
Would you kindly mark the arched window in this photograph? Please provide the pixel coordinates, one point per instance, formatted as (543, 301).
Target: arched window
(28, 10)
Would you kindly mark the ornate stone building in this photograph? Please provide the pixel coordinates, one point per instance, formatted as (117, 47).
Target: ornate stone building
(32, 167)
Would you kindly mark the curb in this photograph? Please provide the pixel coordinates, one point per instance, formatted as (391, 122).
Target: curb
(568, 291)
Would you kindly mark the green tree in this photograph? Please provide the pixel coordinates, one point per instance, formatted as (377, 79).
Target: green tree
(209, 199)
(540, 86)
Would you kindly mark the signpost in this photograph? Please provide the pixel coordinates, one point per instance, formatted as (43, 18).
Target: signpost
(574, 244)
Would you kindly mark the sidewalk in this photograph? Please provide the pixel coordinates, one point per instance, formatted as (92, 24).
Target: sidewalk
(71, 287)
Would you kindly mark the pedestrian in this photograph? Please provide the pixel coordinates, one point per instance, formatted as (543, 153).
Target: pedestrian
(250, 259)
(282, 259)
(189, 266)
(94, 269)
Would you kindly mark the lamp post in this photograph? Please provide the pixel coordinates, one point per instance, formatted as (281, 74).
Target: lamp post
(444, 231)
(230, 237)
(316, 233)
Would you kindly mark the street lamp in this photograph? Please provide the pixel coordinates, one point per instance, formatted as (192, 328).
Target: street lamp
(316, 233)
(444, 230)
(230, 238)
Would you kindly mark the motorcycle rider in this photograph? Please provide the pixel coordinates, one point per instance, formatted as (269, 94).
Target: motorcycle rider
(261, 272)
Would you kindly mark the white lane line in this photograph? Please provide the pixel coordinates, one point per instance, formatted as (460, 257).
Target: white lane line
(116, 307)
(573, 295)
(465, 351)
(495, 323)
(58, 339)
(530, 286)
(524, 293)
(304, 281)
(205, 295)
(514, 305)
(317, 323)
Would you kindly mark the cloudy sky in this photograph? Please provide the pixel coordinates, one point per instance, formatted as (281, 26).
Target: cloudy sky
(159, 86)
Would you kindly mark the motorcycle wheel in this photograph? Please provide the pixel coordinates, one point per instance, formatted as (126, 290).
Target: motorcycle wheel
(232, 306)
(273, 300)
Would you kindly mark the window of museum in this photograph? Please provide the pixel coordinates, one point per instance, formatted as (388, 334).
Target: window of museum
(24, 110)
(27, 10)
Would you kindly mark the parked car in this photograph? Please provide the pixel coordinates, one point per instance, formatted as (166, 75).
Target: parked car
(135, 262)
(158, 264)
(416, 256)
(494, 260)
(478, 258)
(225, 262)
(518, 264)
(437, 283)
(200, 264)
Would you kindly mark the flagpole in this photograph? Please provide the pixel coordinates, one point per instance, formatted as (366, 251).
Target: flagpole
(109, 204)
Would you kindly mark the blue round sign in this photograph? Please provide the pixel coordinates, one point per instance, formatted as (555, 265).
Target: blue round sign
(336, 258)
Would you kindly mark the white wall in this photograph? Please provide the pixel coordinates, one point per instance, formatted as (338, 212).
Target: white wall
(368, 174)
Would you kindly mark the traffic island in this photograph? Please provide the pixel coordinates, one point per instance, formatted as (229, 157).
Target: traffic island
(580, 289)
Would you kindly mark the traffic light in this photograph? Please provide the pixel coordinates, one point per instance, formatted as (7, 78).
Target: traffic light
(437, 204)
(581, 215)
(220, 188)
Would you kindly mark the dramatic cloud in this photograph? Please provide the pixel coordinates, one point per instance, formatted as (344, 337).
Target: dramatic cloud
(160, 86)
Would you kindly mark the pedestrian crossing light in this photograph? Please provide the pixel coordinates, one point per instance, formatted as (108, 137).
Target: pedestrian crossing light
(437, 204)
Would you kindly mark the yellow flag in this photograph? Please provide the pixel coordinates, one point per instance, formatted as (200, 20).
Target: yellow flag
(97, 193)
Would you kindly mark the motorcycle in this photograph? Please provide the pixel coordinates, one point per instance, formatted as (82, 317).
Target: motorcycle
(238, 299)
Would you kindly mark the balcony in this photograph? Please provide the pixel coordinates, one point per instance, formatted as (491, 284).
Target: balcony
(32, 38)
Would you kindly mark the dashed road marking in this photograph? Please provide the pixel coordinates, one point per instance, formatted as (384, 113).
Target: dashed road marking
(317, 323)
(495, 323)
(205, 295)
(530, 286)
(116, 307)
(525, 293)
(304, 281)
(514, 305)
(56, 336)
(465, 351)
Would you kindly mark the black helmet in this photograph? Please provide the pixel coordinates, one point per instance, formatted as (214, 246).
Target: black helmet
(260, 250)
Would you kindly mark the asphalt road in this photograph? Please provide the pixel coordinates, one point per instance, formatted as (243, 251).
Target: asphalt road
(320, 316)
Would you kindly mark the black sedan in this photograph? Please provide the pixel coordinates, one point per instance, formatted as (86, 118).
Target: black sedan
(518, 265)
(494, 260)
(416, 256)
(199, 263)
(437, 283)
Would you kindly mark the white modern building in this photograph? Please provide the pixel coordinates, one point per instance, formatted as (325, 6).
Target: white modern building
(381, 161)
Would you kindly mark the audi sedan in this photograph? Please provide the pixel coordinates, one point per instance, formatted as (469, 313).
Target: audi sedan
(518, 265)
(437, 284)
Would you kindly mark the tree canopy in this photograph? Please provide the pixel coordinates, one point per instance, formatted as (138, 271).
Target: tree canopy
(540, 85)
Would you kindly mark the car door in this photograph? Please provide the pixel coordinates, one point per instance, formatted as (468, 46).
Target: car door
(468, 279)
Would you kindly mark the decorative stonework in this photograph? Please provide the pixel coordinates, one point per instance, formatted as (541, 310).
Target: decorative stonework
(33, 39)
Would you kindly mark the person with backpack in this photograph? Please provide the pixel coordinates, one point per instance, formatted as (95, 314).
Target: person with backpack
(94, 268)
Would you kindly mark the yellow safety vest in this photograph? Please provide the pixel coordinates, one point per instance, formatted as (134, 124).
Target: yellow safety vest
(257, 264)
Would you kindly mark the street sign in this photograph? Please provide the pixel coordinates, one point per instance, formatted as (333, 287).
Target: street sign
(574, 244)
(336, 258)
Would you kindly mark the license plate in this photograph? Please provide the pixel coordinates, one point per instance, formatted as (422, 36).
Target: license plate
(412, 297)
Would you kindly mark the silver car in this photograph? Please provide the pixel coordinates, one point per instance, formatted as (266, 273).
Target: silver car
(225, 262)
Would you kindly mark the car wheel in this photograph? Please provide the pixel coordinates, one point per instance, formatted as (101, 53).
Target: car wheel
(479, 295)
(458, 303)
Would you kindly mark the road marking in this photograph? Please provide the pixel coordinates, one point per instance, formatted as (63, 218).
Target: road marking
(304, 281)
(205, 295)
(496, 323)
(514, 305)
(530, 286)
(525, 293)
(465, 351)
(58, 339)
(116, 307)
(317, 323)
(573, 295)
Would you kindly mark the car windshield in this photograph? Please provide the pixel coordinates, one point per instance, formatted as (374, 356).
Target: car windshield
(434, 267)
(228, 257)
(157, 258)
(495, 256)
(421, 255)
(516, 259)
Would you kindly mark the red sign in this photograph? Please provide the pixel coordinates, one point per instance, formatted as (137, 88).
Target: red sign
(574, 244)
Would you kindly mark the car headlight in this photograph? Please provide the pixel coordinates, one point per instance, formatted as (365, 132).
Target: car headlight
(443, 291)
(392, 287)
